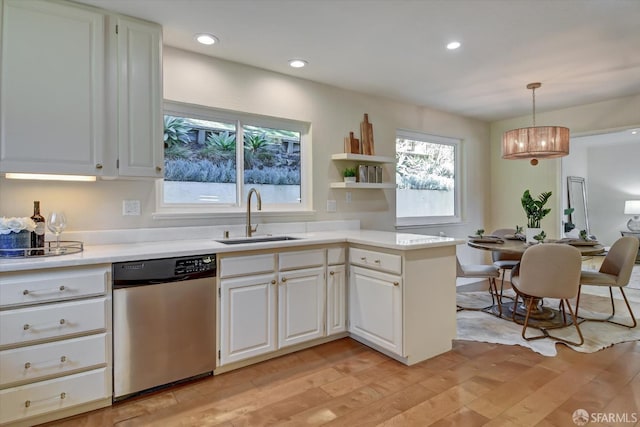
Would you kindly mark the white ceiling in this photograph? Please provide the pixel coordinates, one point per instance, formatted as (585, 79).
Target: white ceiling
(582, 51)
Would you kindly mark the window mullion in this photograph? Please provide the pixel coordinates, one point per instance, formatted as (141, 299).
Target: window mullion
(239, 163)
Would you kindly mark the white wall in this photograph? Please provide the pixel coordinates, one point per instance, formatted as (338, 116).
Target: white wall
(333, 112)
(509, 178)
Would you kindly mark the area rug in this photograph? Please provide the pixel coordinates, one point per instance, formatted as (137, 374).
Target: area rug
(477, 325)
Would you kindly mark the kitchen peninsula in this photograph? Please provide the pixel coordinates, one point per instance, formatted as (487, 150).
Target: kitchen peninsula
(392, 291)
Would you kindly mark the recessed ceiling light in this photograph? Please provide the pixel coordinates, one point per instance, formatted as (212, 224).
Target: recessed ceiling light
(453, 45)
(297, 63)
(206, 39)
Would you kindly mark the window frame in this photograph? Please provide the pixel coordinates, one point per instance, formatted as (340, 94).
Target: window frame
(197, 210)
(456, 143)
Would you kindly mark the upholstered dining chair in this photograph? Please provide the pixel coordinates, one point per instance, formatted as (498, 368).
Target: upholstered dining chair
(549, 270)
(615, 271)
(504, 260)
(480, 271)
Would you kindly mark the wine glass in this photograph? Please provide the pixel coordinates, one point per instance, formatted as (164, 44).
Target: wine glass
(57, 223)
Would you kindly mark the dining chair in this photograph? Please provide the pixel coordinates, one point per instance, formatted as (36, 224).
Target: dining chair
(615, 271)
(550, 270)
(504, 260)
(480, 271)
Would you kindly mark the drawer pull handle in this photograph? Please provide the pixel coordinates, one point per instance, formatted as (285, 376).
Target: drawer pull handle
(63, 359)
(27, 365)
(377, 261)
(98, 166)
(27, 326)
(27, 291)
(396, 283)
(364, 258)
(63, 395)
(158, 169)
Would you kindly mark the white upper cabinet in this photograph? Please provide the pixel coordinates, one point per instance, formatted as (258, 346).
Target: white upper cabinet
(75, 97)
(139, 105)
(52, 85)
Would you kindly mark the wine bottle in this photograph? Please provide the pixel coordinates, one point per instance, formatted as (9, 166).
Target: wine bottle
(37, 236)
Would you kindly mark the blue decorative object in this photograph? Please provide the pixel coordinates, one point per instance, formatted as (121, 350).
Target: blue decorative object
(20, 240)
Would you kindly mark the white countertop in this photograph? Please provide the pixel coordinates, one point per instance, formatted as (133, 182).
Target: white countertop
(97, 254)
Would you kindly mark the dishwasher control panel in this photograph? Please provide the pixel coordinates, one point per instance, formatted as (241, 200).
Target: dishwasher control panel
(198, 264)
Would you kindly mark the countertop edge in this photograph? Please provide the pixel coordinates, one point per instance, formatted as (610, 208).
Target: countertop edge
(107, 254)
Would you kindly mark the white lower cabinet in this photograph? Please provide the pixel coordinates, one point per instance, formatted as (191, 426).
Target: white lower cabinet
(270, 301)
(247, 317)
(336, 290)
(375, 307)
(55, 343)
(301, 306)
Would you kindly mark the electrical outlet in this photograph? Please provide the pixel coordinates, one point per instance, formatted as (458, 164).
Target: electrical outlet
(331, 205)
(130, 207)
(348, 196)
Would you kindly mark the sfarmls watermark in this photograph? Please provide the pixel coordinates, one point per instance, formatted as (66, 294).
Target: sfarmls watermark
(581, 417)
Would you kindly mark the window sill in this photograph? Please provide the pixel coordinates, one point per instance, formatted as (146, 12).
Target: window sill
(231, 214)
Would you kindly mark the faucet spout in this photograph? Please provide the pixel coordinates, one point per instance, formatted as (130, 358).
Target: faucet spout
(249, 228)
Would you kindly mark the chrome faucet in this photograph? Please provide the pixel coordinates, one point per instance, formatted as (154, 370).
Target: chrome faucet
(251, 229)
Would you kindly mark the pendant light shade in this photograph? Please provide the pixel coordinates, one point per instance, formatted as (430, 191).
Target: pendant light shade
(537, 142)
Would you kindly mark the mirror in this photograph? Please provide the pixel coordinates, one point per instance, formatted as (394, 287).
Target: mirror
(578, 201)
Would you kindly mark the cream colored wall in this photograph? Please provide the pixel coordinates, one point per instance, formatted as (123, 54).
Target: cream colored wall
(333, 112)
(509, 178)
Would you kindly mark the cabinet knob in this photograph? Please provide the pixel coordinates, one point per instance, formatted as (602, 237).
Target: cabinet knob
(62, 321)
(273, 282)
(98, 165)
(158, 169)
(63, 359)
(377, 261)
(284, 279)
(332, 273)
(396, 283)
(27, 365)
(364, 258)
(26, 327)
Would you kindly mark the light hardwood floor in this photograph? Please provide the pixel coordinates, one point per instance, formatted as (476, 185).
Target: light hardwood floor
(345, 383)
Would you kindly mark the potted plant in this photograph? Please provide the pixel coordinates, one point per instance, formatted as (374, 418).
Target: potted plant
(535, 211)
(349, 174)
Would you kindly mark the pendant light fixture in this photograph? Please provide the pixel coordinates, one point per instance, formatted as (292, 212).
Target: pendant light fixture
(536, 142)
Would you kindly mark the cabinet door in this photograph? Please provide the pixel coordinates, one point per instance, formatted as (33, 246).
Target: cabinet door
(247, 317)
(140, 123)
(375, 308)
(336, 299)
(301, 306)
(52, 82)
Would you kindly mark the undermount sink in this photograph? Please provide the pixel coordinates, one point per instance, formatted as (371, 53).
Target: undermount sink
(256, 240)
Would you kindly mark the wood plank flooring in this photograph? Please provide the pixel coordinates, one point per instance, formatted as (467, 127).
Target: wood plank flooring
(344, 383)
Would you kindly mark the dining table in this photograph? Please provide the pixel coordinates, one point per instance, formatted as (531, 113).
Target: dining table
(543, 317)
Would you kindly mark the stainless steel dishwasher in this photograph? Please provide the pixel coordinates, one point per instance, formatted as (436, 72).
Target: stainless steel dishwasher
(164, 328)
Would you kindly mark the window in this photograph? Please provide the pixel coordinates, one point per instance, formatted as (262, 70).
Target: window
(427, 179)
(214, 157)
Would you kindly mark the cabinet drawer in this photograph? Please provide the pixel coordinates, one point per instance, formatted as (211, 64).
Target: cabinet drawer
(376, 260)
(49, 285)
(27, 325)
(240, 265)
(301, 259)
(52, 395)
(336, 256)
(52, 359)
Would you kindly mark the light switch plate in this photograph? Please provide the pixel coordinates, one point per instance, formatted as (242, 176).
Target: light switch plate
(130, 207)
